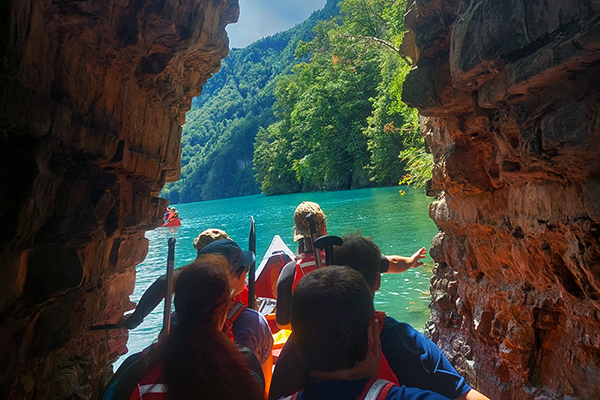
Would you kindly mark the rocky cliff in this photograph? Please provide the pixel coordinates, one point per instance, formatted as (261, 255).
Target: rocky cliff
(93, 93)
(509, 92)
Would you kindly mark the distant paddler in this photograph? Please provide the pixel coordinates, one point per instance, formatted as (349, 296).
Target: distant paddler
(171, 217)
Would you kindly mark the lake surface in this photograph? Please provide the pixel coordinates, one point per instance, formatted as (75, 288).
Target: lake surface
(398, 224)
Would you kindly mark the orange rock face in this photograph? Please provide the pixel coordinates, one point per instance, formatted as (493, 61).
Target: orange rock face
(509, 91)
(93, 94)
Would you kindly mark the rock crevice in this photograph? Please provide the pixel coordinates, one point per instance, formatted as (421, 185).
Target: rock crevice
(93, 94)
(509, 93)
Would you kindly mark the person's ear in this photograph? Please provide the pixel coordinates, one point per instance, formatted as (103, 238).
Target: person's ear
(374, 348)
(374, 339)
(323, 230)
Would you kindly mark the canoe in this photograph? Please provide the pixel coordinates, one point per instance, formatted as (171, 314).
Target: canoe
(173, 222)
(267, 274)
(268, 271)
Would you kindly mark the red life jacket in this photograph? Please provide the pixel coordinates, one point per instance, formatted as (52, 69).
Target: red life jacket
(386, 372)
(232, 315)
(304, 265)
(375, 389)
(151, 386)
(243, 296)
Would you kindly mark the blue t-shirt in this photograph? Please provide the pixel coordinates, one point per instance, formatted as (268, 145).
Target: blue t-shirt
(414, 359)
(252, 330)
(418, 362)
(351, 390)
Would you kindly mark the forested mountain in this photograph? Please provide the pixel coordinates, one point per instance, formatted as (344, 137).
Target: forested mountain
(317, 107)
(218, 136)
(341, 123)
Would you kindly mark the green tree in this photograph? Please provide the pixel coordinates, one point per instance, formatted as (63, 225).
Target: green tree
(340, 113)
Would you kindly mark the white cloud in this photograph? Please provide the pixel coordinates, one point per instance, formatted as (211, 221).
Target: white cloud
(260, 18)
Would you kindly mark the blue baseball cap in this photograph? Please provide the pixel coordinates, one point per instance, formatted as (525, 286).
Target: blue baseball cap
(236, 257)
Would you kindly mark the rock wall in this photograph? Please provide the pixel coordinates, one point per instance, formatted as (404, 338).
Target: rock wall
(93, 93)
(509, 91)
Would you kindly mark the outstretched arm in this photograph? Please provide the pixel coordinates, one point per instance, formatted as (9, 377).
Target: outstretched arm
(150, 299)
(399, 264)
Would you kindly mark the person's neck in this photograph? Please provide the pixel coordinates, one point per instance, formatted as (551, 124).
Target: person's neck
(360, 371)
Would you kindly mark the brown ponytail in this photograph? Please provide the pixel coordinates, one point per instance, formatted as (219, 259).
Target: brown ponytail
(199, 361)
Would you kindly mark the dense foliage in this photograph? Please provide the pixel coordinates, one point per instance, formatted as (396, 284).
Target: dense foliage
(341, 123)
(218, 136)
(314, 108)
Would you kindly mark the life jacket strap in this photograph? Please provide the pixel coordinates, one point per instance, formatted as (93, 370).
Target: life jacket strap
(376, 389)
(232, 315)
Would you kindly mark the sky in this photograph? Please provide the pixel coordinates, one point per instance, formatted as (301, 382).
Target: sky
(260, 18)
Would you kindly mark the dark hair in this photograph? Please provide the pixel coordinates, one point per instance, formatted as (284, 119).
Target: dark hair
(331, 310)
(360, 254)
(199, 360)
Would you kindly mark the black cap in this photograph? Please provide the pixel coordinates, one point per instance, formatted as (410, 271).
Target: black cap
(236, 257)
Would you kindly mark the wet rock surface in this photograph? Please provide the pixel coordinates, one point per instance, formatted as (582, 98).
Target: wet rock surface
(93, 94)
(509, 92)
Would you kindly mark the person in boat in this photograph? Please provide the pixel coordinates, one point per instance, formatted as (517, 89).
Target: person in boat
(337, 330)
(243, 326)
(408, 357)
(173, 214)
(210, 235)
(170, 215)
(292, 272)
(197, 360)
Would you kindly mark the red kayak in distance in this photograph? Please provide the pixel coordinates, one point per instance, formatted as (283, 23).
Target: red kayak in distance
(173, 222)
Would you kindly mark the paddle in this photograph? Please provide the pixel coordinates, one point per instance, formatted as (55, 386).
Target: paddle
(313, 235)
(168, 298)
(252, 269)
(169, 295)
(327, 243)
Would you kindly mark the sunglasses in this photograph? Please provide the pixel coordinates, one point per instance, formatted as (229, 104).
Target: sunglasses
(244, 269)
(379, 317)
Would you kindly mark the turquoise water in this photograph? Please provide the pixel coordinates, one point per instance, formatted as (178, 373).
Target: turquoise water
(398, 224)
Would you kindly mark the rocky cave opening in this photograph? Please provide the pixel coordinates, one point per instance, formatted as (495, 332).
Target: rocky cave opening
(93, 97)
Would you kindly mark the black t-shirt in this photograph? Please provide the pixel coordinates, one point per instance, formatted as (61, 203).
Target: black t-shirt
(284, 293)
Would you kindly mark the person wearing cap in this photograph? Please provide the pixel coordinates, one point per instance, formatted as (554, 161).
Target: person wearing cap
(294, 271)
(210, 235)
(246, 327)
(408, 357)
(337, 332)
(196, 359)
